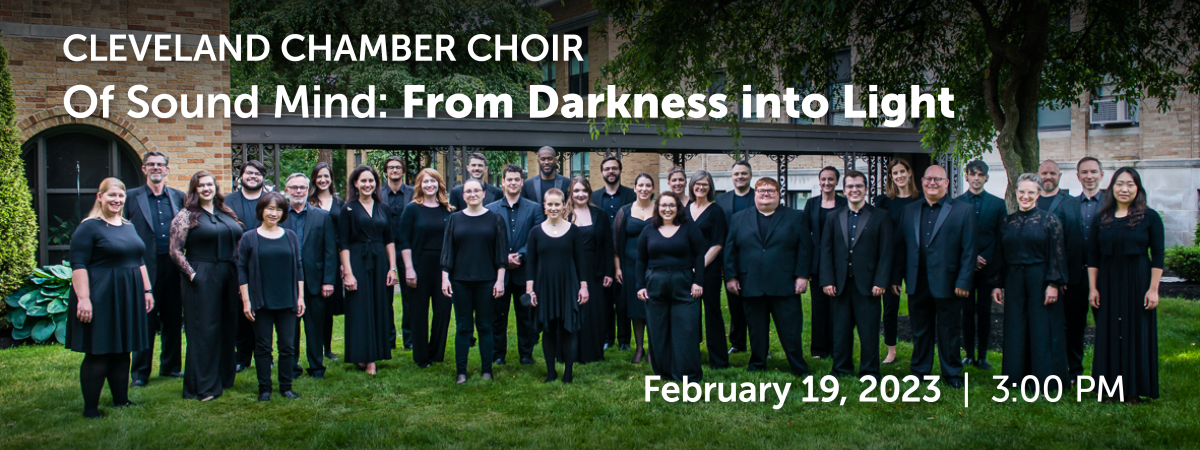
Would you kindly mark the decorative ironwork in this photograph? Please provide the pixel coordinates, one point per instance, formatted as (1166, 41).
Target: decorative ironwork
(679, 159)
(781, 172)
(455, 159)
(414, 161)
(875, 170)
(611, 151)
(564, 162)
(953, 172)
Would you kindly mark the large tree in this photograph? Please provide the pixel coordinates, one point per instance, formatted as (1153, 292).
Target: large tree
(1001, 59)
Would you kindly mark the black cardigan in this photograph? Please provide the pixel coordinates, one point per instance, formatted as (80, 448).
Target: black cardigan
(249, 272)
(603, 265)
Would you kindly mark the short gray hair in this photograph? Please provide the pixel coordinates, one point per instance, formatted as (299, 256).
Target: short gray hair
(1037, 180)
(297, 175)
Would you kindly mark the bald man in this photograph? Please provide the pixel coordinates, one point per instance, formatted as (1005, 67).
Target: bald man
(1075, 292)
(547, 177)
(935, 258)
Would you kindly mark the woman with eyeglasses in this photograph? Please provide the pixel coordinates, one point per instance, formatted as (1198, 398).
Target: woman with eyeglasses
(325, 196)
(422, 230)
(709, 218)
(368, 256)
(631, 220)
(670, 279)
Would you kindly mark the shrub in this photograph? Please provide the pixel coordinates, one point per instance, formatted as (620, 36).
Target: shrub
(18, 223)
(39, 308)
(1185, 261)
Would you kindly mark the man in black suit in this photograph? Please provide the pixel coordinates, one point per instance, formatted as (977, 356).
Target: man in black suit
(935, 256)
(396, 195)
(1075, 292)
(856, 265)
(990, 212)
(549, 178)
(733, 202)
(767, 256)
(318, 255)
(244, 203)
(815, 211)
(477, 168)
(611, 198)
(521, 215)
(150, 208)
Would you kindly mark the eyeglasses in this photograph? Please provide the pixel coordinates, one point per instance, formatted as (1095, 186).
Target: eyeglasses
(933, 180)
(251, 174)
(766, 192)
(154, 164)
(297, 188)
(390, 168)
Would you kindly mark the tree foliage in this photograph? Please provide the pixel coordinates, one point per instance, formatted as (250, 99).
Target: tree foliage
(18, 223)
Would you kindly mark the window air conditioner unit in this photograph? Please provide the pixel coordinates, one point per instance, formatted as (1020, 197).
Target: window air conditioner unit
(1109, 111)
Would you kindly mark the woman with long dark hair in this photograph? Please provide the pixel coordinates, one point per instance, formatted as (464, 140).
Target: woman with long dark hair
(1124, 287)
(627, 228)
(109, 299)
(596, 232)
(473, 264)
(204, 240)
(271, 281)
(423, 228)
(324, 195)
(709, 218)
(368, 256)
(901, 190)
(670, 279)
(559, 286)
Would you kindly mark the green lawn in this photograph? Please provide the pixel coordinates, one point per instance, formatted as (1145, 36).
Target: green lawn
(40, 405)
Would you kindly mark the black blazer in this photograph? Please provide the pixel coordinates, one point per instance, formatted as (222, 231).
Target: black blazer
(603, 265)
(768, 265)
(138, 213)
(725, 201)
(250, 272)
(951, 258)
(626, 195)
(318, 249)
(988, 223)
(529, 215)
(812, 213)
(490, 194)
(532, 189)
(244, 209)
(1070, 214)
(871, 255)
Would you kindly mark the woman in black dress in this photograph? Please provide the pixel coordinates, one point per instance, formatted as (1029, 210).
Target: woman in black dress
(325, 196)
(594, 226)
(901, 190)
(423, 228)
(1124, 287)
(710, 220)
(271, 281)
(473, 262)
(677, 182)
(204, 240)
(110, 296)
(369, 270)
(627, 227)
(670, 279)
(559, 287)
(1031, 264)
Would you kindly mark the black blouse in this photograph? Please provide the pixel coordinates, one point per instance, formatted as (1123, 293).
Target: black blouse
(1030, 238)
(474, 247)
(422, 228)
(684, 250)
(213, 238)
(711, 224)
(1117, 238)
(270, 269)
(895, 206)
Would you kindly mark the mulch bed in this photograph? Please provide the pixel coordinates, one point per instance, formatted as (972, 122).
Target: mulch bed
(6, 340)
(1190, 291)
(904, 330)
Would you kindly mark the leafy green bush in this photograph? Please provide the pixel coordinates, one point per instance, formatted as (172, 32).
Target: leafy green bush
(39, 308)
(1185, 261)
(18, 223)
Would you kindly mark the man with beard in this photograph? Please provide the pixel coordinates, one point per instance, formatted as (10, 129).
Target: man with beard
(244, 203)
(733, 202)
(396, 195)
(150, 208)
(520, 216)
(990, 213)
(610, 199)
(549, 178)
(318, 257)
(477, 167)
(1075, 292)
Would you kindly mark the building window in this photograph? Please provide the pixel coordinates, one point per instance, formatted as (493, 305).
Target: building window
(1054, 119)
(1109, 111)
(581, 165)
(797, 198)
(549, 78)
(837, 102)
(578, 80)
(64, 167)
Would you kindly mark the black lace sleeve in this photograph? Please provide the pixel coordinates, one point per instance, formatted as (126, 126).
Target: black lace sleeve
(180, 226)
(1056, 252)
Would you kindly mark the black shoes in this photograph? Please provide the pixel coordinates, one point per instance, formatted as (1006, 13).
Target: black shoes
(239, 368)
(172, 375)
(291, 394)
(551, 376)
(499, 362)
(983, 364)
(526, 360)
(124, 404)
(264, 396)
(138, 384)
(318, 376)
(968, 362)
(408, 346)
(607, 345)
(955, 383)
(624, 347)
(91, 413)
(733, 350)
(330, 356)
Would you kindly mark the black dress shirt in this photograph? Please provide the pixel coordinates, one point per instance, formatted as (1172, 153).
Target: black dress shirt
(160, 212)
(852, 222)
(1088, 209)
(295, 222)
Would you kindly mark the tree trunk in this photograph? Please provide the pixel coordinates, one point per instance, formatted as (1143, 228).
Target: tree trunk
(325, 155)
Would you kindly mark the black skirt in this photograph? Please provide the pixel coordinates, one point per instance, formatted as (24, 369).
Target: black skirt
(1126, 333)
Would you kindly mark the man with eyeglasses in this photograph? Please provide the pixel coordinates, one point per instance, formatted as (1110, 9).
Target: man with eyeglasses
(733, 202)
(244, 203)
(1075, 292)
(150, 208)
(548, 177)
(768, 252)
(396, 195)
(611, 198)
(318, 256)
(477, 167)
(935, 258)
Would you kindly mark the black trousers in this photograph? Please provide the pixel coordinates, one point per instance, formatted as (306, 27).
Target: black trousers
(1033, 331)
(822, 334)
(714, 320)
(527, 335)
(316, 319)
(283, 323)
(737, 321)
(788, 314)
(977, 319)
(1075, 309)
(406, 314)
(167, 315)
(244, 347)
(850, 310)
(673, 322)
(95, 370)
(891, 312)
(935, 320)
(472, 313)
(617, 326)
(211, 306)
(428, 342)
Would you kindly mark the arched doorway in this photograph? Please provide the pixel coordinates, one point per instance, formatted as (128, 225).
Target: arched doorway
(64, 166)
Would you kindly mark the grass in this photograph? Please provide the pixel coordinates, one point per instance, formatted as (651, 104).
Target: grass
(40, 405)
